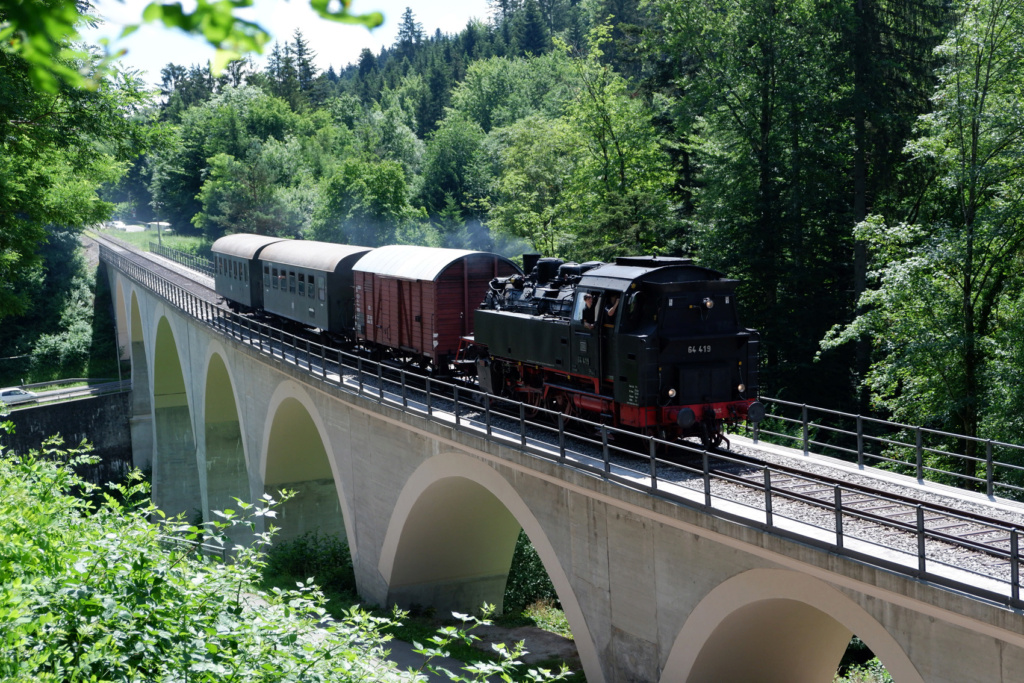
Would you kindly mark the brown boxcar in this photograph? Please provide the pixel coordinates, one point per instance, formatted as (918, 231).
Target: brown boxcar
(420, 300)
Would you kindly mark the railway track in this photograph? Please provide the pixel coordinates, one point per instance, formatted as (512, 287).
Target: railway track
(912, 513)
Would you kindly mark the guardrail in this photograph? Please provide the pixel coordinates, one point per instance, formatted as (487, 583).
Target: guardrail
(654, 469)
(903, 448)
(193, 261)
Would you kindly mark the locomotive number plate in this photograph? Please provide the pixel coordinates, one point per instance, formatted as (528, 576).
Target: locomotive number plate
(706, 348)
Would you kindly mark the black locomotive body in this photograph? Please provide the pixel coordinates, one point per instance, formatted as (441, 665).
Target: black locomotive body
(651, 344)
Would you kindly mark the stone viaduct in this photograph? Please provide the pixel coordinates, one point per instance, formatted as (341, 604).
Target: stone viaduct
(654, 591)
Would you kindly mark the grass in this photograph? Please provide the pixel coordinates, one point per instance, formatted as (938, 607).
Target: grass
(141, 240)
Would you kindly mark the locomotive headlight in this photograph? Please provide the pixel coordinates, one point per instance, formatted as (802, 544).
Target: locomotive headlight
(741, 388)
(671, 393)
(708, 303)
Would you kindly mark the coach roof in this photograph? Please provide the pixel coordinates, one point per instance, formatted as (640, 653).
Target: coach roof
(242, 245)
(416, 263)
(322, 256)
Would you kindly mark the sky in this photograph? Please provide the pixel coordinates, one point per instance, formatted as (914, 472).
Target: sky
(152, 47)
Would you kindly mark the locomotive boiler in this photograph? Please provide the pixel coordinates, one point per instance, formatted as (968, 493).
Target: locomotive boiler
(651, 344)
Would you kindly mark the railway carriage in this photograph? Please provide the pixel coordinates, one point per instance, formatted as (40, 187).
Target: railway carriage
(311, 283)
(419, 301)
(237, 273)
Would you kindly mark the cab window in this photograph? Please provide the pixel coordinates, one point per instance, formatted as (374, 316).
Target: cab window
(586, 308)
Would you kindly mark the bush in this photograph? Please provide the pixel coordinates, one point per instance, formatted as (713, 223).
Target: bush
(311, 555)
(528, 581)
(97, 592)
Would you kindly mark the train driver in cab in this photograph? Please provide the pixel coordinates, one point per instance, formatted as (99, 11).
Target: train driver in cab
(589, 313)
(611, 310)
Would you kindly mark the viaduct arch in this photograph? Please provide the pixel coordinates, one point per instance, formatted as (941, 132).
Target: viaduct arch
(295, 450)
(450, 540)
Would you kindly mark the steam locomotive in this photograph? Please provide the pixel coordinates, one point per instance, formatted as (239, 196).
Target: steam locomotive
(651, 344)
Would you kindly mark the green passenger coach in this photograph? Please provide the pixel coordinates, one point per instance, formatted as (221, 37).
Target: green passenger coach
(311, 283)
(237, 273)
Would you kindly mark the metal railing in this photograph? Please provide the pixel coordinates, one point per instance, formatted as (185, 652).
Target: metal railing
(910, 548)
(900, 447)
(193, 261)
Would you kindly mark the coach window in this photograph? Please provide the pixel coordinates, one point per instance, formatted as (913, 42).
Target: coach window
(320, 286)
(302, 284)
(291, 281)
(245, 272)
(273, 278)
(309, 290)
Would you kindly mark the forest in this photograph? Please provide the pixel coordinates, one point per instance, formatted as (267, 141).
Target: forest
(858, 166)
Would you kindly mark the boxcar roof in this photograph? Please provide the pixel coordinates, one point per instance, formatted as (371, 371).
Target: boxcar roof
(323, 256)
(415, 263)
(242, 245)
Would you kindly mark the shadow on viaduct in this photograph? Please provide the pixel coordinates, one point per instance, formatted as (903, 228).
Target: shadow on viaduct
(653, 591)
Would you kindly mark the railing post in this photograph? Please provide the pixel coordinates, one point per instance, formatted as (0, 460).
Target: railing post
(839, 515)
(707, 480)
(359, 371)
(487, 413)
(430, 405)
(990, 483)
(561, 437)
(1014, 567)
(806, 430)
(309, 358)
(757, 432)
(380, 385)
(405, 396)
(653, 454)
(768, 496)
(920, 454)
(860, 441)
(455, 409)
(920, 540)
(604, 449)
(522, 425)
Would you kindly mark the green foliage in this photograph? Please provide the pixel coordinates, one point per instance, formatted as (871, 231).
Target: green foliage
(55, 151)
(326, 559)
(40, 34)
(528, 581)
(97, 592)
(948, 283)
(872, 672)
(68, 330)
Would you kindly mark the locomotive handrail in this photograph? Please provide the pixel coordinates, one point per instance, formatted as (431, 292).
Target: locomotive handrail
(700, 487)
(853, 441)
